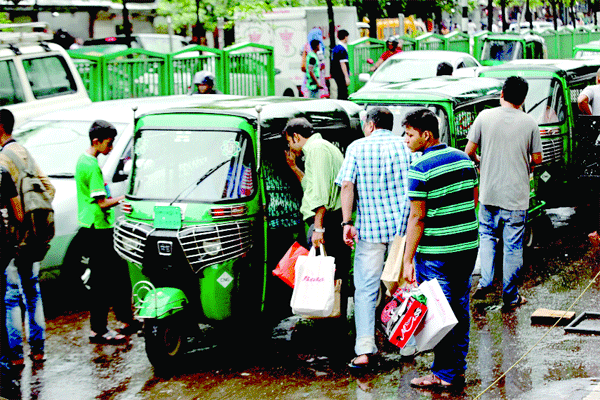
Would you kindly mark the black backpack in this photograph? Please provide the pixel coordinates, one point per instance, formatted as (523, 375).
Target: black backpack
(37, 228)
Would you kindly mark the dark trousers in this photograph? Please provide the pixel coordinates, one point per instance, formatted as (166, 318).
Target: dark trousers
(109, 280)
(342, 88)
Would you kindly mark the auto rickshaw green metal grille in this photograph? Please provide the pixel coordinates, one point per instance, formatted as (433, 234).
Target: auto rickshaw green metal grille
(205, 245)
(130, 239)
(552, 150)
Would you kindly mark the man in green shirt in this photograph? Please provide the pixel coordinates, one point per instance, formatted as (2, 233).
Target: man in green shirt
(321, 206)
(110, 281)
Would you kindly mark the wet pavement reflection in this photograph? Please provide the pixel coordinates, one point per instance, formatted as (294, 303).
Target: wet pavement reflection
(303, 361)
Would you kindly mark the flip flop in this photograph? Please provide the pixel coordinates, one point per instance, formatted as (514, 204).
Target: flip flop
(109, 337)
(363, 366)
(519, 302)
(430, 382)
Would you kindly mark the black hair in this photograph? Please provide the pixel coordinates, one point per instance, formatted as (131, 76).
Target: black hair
(515, 90)
(301, 126)
(7, 120)
(314, 44)
(423, 120)
(382, 117)
(102, 130)
(342, 34)
(444, 68)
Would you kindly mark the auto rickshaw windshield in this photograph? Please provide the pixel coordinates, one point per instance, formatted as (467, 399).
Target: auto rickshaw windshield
(193, 165)
(501, 50)
(401, 110)
(545, 100)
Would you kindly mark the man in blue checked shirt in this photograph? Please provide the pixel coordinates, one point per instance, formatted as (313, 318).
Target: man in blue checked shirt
(377, 167)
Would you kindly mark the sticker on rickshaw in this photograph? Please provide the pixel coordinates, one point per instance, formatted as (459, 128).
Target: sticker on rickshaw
(231, 148)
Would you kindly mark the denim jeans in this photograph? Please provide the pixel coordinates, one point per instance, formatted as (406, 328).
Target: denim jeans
(509, 225)
(369, 259)
(22, 286)
(453, 272)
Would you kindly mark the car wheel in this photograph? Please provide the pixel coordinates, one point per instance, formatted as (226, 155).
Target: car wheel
(288, 93)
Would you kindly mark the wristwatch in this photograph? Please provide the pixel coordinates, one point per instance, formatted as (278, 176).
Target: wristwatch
(346, 223)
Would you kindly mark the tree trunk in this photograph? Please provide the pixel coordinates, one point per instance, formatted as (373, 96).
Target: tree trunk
(332, 38)
(554, 16)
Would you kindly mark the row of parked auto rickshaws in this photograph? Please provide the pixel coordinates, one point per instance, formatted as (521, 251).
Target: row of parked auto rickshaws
(212, 206)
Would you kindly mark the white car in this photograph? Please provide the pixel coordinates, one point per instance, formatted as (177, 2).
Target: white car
(36, 76)
(418, 64)
(57, 139)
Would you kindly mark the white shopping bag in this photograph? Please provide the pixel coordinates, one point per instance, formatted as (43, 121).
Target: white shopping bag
(439, 319)
(314, 288)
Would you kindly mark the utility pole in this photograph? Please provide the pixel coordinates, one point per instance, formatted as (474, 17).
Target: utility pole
(465, 16)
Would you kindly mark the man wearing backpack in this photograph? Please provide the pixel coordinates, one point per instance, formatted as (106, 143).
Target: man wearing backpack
(34, 229)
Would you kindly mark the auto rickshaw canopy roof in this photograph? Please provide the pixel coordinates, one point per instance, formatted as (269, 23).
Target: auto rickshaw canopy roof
(438, 89)
(573, 70)
(324, 114)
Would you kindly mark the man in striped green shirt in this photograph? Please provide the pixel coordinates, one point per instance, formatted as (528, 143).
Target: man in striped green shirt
(442, 237)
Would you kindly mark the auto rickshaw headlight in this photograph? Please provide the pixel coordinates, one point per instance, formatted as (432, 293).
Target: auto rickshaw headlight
(212, 247)
(131, 244)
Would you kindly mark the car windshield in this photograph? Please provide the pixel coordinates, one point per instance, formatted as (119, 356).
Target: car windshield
(401, 110)
(57, 145)
(588, 54)
(545, 101)
(502, 50)
(402, 70)
(192, 166)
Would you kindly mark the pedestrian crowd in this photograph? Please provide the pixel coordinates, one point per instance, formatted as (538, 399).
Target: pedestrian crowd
(385, 186)
(381, 190)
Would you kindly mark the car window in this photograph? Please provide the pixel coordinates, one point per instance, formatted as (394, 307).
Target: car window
(11, 91)
(461, 65)
(469, 63)
(501, 50)
(402, 70)
(49, 76)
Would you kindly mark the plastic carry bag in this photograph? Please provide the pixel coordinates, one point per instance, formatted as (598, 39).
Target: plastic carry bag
(439, 320)
(285, 269)
(314, 292)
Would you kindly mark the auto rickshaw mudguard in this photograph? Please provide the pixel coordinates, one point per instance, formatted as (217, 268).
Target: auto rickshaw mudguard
(160, 303)
(215, 290)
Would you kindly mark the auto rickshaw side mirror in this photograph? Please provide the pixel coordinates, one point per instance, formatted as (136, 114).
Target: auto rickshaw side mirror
(123, 170)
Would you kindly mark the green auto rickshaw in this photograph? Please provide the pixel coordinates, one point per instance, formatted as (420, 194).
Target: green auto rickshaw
(212, 206)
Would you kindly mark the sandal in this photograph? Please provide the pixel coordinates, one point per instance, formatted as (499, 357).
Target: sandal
(109, 337)
(361, 366)
(519, 302)
(430, 382)
(37, 357)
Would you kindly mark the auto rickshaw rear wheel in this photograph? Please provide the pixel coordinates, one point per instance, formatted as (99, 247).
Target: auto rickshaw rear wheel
(166, 341)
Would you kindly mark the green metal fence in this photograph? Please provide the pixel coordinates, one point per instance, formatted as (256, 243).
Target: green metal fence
(431, 41)
(246, 69)
(249, 69)
(359, 52)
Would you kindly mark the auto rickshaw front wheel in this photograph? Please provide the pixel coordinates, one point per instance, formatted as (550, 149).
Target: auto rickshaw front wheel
(166, 341)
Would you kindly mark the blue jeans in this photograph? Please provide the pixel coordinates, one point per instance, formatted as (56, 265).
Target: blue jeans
(369, 259)
(496, 223)
(22, 286)
(453, 273)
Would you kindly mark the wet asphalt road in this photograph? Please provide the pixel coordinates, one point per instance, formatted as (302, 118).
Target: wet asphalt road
(302, 363)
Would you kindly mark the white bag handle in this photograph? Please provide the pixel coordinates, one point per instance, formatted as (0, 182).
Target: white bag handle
(313, 252)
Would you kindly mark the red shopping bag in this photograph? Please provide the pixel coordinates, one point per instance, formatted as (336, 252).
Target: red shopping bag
(286, 270)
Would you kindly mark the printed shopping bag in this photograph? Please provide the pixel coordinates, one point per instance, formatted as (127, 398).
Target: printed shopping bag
(285, 269)
(392, 271)
(406, 318)
(313, 293)
(401, 294)
(440, 318)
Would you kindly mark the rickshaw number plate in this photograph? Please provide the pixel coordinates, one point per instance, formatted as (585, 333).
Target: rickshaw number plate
(167, 217)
